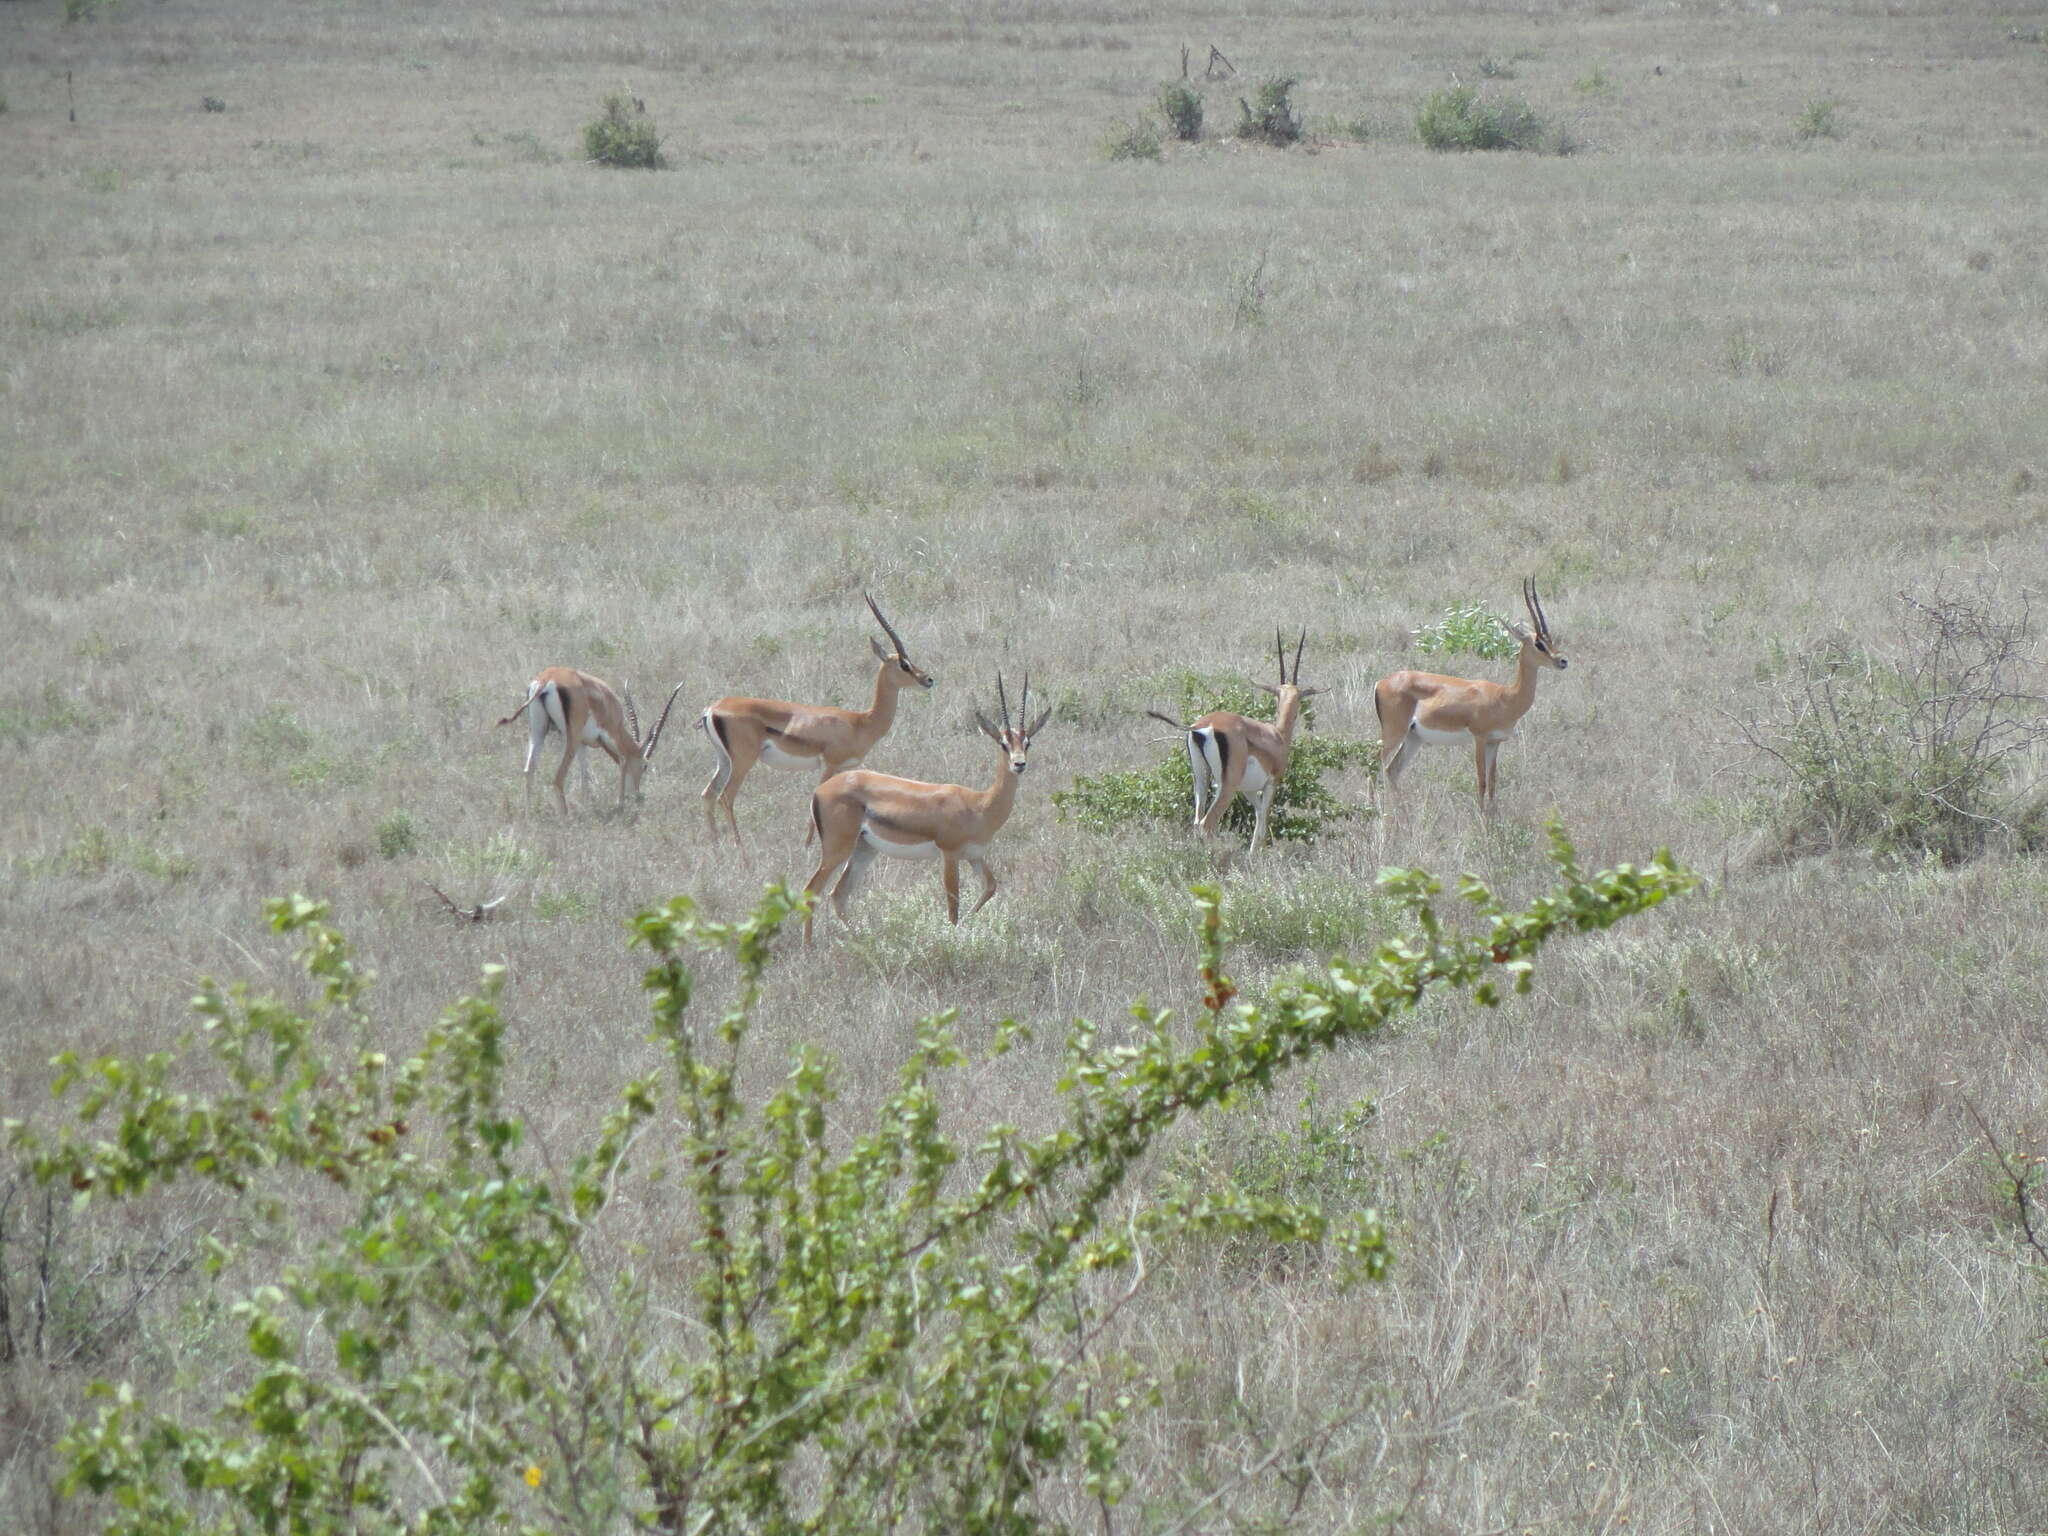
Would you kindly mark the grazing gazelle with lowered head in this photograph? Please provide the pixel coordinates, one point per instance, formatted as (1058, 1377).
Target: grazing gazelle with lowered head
(1228, 753)
(746, 731)
(1416, 708)
(587, 713)
(861, 816)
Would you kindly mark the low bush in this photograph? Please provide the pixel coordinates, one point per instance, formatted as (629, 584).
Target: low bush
(887, 1326)
(623, 135)
(1458, 119)
(1304, 808)
(1820, 120)
(1181, 105)
(1468, 629)
(1931, 754)
(1269, 116)
(1135, 140)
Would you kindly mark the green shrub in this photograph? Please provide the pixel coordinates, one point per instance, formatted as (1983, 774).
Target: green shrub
(1917, 757)
(1135, 140)
(1820, 120)
(1458, 119)
(1181, 105)
(398, 835)
(1164, 795)
(1468, 629)
(622, 134)
(212, 104)
(1270, 115)
(888, 1326)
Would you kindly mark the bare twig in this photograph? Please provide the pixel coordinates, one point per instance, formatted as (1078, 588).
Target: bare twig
(476, 914)
(2023, 1173)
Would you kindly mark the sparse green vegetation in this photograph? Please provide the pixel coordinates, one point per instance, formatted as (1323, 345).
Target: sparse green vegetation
(623, 135)
(1932, 754)
(1268, 114)
(1460, 119)
(1136, 140)
(1821, 119)
(398, 835)
(463, 1320)
(1468, 629)
(1181, 105)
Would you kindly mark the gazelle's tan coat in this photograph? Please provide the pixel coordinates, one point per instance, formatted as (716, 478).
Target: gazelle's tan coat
(746, 731)
(1416, 708)
(587, 713)
(861, 816)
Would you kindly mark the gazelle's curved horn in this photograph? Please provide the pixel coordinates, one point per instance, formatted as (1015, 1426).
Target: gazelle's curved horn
(1002, 700)
(1280, 650)
(1298, 645)
(632, 716)
(887, 628)
(653, 736)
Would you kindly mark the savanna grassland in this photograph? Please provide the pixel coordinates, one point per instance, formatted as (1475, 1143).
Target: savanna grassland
(328, 417)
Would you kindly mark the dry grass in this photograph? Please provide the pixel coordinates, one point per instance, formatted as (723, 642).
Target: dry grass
(327, 419)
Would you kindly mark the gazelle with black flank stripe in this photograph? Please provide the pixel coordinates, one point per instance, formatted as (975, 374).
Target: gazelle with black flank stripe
(862, 816)
(1228, 753)
(587, 713)
(746, 731)
(1419, 708)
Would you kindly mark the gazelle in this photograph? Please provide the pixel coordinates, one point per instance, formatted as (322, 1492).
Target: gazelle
(1419, 707)
(859, 816)
(1228, 753)
(748, 731)
(586, 711)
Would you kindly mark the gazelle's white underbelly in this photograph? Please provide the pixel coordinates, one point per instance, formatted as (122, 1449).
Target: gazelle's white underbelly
(1440, 738)
(1255, 775)
(776, 757)
(896, 850)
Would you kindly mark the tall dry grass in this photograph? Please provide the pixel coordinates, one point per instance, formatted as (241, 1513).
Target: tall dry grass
(327, 419)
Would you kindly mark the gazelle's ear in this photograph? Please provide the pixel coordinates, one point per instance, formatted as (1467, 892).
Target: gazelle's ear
(988, 729)
(1039, 724)
(1267, 688)
(1306, 693)
(881, 651)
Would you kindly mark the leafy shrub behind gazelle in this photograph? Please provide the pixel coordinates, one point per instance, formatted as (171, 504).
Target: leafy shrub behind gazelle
(890, 1327)
(1304, 808)
(1459, 118)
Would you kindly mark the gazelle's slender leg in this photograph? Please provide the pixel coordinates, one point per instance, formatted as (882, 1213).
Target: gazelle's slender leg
(1265, 806)
(952, 876)
(857, 865)
(988, 884)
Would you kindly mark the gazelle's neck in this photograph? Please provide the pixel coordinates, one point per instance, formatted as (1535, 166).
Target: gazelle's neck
(1288, 714)
(1523, 693)
(1001, 795)
(888, 683)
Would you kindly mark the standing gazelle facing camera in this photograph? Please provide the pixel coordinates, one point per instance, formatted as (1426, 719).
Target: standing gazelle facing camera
(1228, 753)
(860, 816)
(1421, 707)
(747, 731)
(587, 713)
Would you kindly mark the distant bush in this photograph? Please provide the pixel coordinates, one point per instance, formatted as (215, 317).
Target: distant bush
(1457, 119)
(1181, 105)
(1925, 756)
(1820, 120)
(398, 835)
(1270, 115)
(212, 104)
(1470, 629)
(1135, 140)
(1304, 808)
(623, 135)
